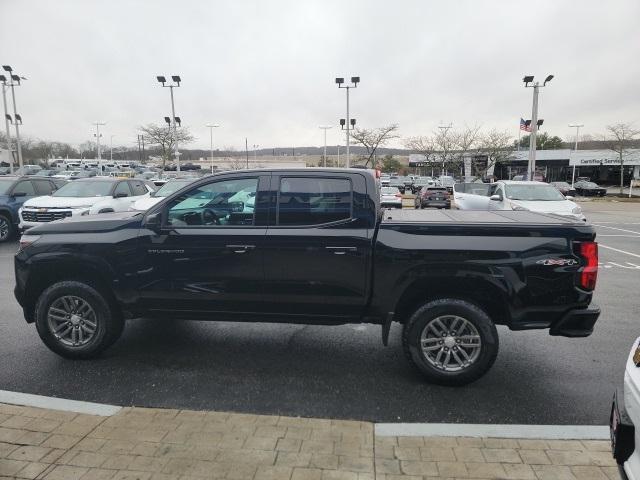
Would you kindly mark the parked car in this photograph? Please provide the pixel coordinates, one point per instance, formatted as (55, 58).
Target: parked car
(14, 192)
(408, 183)
(447, 182)
(398, 183)
(5, 170)
(524, 196)
(390, 197)
(384, 179)
(624, 421)
(83, 197)
(433, 197)
(421, 182)
(589, 189)
(167, 189)
(200, 253)
(564, 188)
(470, 196)
(28, 170)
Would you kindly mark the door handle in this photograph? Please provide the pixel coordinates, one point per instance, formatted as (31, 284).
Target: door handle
(241, 248)
(341, 250)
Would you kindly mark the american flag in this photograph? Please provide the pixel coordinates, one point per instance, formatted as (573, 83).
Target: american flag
(523, 125)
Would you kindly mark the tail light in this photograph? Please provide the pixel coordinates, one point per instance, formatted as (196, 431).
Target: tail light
(588, 274)
(399, 195)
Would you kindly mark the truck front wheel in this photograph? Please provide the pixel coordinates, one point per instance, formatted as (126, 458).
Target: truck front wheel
(452, 342)
(75, 320)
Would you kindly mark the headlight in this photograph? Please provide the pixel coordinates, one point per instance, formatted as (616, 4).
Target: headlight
(576, 209)
(26, 240)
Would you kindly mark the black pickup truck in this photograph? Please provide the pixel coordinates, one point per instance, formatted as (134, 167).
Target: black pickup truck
(311, 246)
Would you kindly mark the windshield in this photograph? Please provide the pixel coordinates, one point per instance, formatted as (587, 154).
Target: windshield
(5, 185)
(84, 189)
(533, 193)
(170, 187)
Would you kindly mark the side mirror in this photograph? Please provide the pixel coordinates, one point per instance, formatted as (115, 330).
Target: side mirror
(496, 198)
(120, 195)
(153, 221)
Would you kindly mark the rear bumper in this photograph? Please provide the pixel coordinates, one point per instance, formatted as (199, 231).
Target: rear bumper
(437, 203)
(576, 323)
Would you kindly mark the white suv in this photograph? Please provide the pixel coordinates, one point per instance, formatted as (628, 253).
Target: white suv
(83, 197)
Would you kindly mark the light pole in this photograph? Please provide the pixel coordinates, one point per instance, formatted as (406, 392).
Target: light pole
(15, 81)
(350, 123)
(338, 156)
(176, 78)
(211, 126)
(577, 126)
(445, 129)
(98, 135)
(531, 167)
(3, 79)
(255, 154)
(324, 157)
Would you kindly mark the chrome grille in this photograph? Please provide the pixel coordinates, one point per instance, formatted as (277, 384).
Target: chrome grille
(48, 216)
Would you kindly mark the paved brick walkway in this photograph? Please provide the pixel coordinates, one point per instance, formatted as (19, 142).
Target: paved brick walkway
(157, 444)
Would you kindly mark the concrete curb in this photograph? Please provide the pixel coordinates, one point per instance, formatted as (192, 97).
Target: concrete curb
(39, 401)
(543, 432)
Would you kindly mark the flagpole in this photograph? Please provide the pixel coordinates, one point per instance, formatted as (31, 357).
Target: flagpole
(519, 133)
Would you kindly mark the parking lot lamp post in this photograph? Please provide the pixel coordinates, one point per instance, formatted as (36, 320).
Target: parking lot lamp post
(338, 162)
(324, 157)
(176, 79)
(445, 129)
(211, 126)
(3, 79)
(577, 127)
(531, 167)
(349, 123)
(15, 81)
(255, 154)
(99, 153)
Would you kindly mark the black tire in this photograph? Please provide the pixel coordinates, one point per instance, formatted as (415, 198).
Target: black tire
(108, 319)
(412, 332)
(7, 229)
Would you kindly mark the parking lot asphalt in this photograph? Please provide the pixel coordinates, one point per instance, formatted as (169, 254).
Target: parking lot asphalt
(345, 372)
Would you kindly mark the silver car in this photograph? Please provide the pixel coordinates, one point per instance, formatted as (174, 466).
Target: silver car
(390, 197)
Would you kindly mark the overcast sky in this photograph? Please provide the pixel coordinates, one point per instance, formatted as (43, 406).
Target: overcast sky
(265, 69)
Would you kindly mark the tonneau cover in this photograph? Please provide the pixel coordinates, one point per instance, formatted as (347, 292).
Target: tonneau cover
(475, 216)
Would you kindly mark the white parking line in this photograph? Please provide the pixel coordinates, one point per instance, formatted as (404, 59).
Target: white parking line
(618, 250)
(38, 401)
(549, 432)
(615, 228)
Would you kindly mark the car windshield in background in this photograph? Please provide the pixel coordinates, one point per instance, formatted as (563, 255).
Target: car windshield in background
(171, 186)
(5, 185)
(389, 190)
(533, 193)
(84, 189)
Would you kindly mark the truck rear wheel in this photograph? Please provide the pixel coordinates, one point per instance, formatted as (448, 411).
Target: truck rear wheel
(452, 342)
(75, 320)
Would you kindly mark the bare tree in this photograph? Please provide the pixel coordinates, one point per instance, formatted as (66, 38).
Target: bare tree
(497, 146)
(164, 139)
(373, 138)
(623, 135)
(463, 141)
(237, 163)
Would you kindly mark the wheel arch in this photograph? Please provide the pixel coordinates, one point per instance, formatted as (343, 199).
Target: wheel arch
(46, 274)
(482, 293)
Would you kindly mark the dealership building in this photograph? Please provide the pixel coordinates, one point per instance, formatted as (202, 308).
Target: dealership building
(601, 166)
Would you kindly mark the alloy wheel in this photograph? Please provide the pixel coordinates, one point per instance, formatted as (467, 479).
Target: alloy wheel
(450, 343)
(72, 321)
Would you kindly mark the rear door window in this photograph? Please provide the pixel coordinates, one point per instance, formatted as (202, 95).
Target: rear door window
(138, 188)
(313, 200)
(43, 187)
(26, 187)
